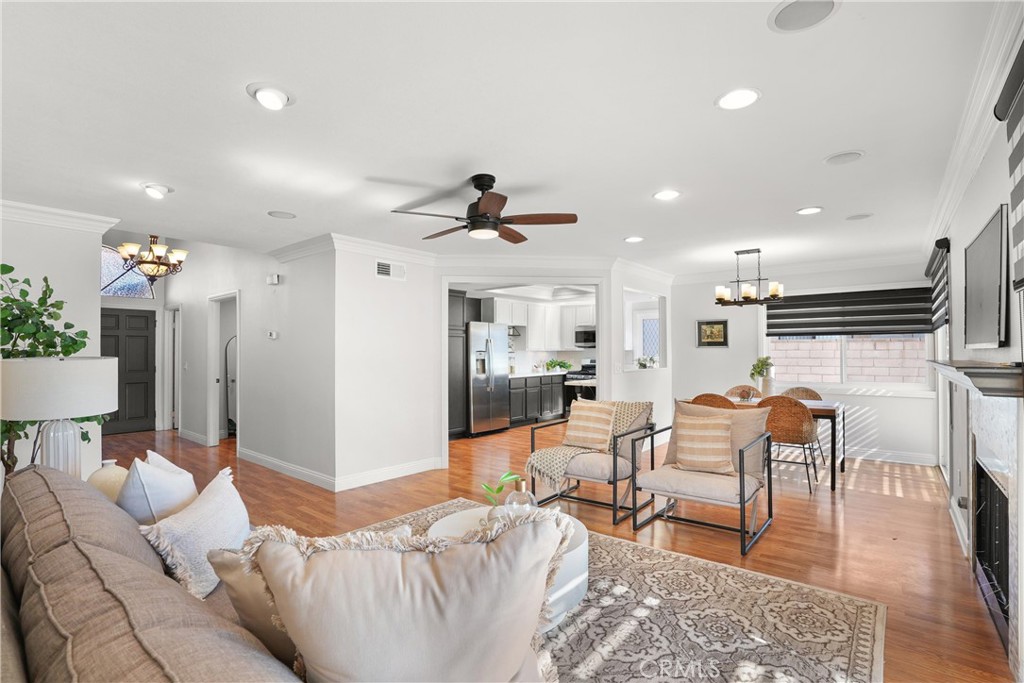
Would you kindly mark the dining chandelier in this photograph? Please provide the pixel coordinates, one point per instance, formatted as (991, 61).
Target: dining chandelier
(748, 290)
(154, 261)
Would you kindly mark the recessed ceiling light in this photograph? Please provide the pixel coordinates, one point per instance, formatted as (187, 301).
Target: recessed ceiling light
(287, 215)
(841, 158)
(738, 99)
(156, 191)
(666, 195)
(269, 96)
(809, 210)
(799, 15)
(859, 216)
(633, 240)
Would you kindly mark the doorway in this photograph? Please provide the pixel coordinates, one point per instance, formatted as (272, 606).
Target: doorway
(223, 369)
(130, 336)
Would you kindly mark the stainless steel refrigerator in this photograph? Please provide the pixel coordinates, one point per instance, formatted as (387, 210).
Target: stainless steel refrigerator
(488, 376)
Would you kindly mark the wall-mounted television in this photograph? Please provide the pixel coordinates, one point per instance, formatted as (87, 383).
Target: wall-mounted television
(987, 285)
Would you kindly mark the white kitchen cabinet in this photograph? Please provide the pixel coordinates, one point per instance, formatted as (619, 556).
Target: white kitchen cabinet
(586, 315)
(567, 327)
(504, 311)
(536, 327)
(553, 328)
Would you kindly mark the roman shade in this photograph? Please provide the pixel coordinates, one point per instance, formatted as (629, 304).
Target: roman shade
(938, 271)
(883, 311)
(1010, 108)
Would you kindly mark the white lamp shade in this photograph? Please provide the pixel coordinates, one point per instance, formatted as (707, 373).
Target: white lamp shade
(57, 388)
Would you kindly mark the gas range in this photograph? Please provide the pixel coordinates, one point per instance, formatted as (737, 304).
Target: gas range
(588, 370)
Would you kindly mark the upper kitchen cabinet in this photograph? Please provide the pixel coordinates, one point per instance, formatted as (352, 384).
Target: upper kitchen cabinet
(553, 328)
(586, 315)
(567, 328)
(461, 310)
(504, 311)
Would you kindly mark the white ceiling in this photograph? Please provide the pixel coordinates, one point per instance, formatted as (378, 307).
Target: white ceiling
(577, 107)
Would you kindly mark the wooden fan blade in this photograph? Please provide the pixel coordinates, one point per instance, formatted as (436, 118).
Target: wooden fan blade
(445, 232)
(491, 203)
(509, 235)
(435, 215)
(541, 219)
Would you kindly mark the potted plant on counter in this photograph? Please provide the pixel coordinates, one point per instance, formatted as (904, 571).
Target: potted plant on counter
(763, 373)
(554, 364)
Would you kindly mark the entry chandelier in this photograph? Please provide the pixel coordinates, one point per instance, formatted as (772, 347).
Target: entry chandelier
(155, 261)
(748, 290)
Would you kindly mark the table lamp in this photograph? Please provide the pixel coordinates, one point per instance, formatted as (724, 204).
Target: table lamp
(53, 390)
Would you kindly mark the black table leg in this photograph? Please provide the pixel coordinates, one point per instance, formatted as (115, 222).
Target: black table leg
(832, 424)
(842, 463)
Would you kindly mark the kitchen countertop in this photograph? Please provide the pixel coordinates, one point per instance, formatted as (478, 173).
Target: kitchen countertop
(520, 375)
(581, 383)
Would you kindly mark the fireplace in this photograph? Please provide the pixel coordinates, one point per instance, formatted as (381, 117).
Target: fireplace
(991, 548)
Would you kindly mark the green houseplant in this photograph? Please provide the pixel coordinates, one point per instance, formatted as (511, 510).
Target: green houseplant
(29, 329)
(554, 363)
(761, 372)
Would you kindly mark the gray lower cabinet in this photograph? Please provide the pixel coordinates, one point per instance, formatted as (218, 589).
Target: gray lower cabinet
(535, 398)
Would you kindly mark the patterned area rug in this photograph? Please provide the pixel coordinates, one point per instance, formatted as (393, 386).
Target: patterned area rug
(651, 614)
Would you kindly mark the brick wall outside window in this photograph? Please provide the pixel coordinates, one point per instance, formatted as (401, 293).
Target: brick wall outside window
(889, 359)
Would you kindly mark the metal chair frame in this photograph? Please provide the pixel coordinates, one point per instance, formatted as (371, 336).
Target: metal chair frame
(745, 530)
(618, 502)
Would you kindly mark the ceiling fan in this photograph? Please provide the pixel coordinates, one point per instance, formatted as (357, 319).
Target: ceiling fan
(483, 217)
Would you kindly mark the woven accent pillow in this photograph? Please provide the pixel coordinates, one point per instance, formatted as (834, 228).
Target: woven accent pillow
(704, 444)
(216, 519)
(590, 425)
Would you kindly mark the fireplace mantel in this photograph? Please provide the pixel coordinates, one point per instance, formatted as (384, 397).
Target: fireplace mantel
(990, 379)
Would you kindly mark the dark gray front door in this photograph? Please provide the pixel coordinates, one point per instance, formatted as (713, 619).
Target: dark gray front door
(131, 336)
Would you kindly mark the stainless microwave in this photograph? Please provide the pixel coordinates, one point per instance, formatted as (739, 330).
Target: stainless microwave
(586, 337)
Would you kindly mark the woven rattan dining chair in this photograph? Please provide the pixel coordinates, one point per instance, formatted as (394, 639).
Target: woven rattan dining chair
(790, 422)
(713, 400)
(744, 391)
(807, 394)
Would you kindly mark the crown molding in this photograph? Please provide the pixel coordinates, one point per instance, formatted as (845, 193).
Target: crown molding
(977, 124)
(56, 218)
(562, 264)
(914, 259)
(310, 247)
(634, 268)
(356, 245)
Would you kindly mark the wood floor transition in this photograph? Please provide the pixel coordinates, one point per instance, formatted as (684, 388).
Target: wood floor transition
(885, 535)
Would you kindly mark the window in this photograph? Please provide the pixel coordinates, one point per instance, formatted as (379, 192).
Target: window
(114, 281)
(865, 358)
(651, 337)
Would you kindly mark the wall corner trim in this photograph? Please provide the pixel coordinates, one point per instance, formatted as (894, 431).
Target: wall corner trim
(302, 473)
(351, 481)
(634, 268)
(56, 218)
(356, 245)
(310, 247)
(194, 437)
(977, 124)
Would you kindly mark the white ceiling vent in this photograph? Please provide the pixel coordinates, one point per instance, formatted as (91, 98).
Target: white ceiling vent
(391, 271)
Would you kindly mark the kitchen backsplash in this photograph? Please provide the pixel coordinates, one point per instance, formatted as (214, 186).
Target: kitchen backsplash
(525, 360)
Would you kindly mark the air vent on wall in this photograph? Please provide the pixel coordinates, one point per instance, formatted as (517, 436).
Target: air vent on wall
(391, 271)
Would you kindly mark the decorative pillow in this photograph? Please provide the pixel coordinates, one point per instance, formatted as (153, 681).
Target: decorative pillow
(249, 596)
(155, 489)
(704, 444)
(346, 600)
(590, 425)
(216, 519)
(747, 425)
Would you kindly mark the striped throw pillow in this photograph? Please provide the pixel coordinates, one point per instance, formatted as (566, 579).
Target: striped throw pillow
(704, 444)
(590, 425)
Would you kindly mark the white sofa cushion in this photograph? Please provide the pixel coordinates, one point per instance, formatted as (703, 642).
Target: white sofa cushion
(155, 488)
(597, 466)
(702, 486)
(450, 609)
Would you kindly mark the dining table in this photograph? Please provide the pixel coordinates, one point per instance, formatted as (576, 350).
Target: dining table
(832, 412)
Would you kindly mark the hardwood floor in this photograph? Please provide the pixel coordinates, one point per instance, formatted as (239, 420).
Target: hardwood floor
(885, 535)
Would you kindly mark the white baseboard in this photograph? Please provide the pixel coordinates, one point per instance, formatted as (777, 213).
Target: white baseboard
(902, 457)
(352, 481)
(223, 433)
(192, 436)
(961, 529)
(317, 478)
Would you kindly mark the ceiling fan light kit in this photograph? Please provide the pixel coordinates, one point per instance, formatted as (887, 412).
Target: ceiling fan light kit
(748, 289)
(483, 219)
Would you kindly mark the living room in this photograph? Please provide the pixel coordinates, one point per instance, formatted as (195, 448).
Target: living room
(130, 120)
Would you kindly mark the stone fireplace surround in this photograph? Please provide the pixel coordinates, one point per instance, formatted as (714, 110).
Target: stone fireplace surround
(995, 441)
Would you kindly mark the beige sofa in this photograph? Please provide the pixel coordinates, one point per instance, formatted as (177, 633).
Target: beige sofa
(85, 597)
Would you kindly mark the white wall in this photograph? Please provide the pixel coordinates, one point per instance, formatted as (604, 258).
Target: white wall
(388, 416)
(286, 386)
(64, 246)
(882, 424)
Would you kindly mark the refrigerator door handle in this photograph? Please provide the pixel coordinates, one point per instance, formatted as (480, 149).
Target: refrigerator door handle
(490, 365)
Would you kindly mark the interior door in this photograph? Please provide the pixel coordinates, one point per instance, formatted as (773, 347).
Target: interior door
(131, 337)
